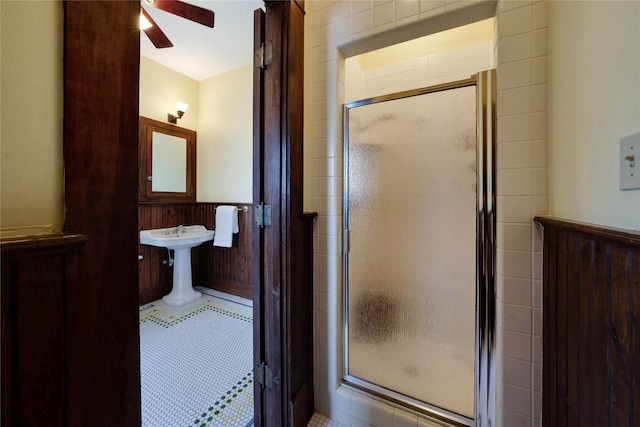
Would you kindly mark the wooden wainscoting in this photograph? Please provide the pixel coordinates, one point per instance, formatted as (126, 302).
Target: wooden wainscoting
(591, 325)
(155, 276)
(223, 269)
(228, 269)
(36, 273)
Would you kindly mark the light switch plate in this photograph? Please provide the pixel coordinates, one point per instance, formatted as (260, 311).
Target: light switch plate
(630, 162)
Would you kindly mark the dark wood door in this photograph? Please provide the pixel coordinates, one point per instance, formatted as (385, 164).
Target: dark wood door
(283, 277)
(258, 232)
(101, 59)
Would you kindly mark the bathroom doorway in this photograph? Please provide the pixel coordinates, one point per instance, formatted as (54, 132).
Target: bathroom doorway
(259, 265)
(196, 357)
(418, 209)
(103, 377)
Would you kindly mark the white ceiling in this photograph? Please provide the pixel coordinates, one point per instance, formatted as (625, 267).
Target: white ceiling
(201, 52)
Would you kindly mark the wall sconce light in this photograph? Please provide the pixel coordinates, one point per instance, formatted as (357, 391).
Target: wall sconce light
(144, 22)
(181, 107)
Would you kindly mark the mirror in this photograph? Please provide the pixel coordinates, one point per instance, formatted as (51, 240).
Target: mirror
(166, 163)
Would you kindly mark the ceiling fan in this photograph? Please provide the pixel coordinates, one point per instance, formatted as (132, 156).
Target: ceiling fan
(176, 7)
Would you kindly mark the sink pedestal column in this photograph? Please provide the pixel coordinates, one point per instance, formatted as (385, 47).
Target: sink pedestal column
(182, 292)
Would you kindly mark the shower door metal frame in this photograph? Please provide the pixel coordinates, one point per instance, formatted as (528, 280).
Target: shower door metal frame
(485, 257)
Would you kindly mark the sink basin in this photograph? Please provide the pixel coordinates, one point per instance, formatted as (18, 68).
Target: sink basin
(180, 240)
(187, 237)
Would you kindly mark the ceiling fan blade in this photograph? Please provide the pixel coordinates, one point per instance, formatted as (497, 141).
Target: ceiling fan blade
(188, 11)
(155, 34)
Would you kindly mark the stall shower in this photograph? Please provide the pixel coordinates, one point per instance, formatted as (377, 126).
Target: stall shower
(419, 226)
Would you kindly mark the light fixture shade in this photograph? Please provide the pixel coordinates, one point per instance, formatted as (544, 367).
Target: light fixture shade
(144, 22)
(182, 106)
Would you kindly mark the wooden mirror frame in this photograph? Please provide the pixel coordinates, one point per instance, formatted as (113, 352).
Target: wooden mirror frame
(145, 144)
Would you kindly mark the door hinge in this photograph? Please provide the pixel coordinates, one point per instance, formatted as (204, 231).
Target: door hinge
(263, 56)
(263, 375)
(263, 215)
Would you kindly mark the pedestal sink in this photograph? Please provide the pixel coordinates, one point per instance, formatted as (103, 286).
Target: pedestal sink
(179, 239)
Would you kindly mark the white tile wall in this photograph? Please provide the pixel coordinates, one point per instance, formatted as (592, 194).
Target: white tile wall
(381, 414)
(522, 194)
(457, 64)
(344, 28)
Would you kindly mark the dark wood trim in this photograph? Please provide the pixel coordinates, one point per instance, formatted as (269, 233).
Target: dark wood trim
(591, 327)
(300, 337)
(286, 290)
(300, 4)
(101, 71)
(259, 342)
(612, 234)
(21, 248)
(274, 250)
(145, 150)
(36, 272)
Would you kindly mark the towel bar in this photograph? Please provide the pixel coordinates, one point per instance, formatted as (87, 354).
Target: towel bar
(239, 209)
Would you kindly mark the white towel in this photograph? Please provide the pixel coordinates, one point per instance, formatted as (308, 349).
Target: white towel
(226, 226)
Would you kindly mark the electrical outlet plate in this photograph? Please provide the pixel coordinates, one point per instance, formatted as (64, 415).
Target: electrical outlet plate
(630, 162)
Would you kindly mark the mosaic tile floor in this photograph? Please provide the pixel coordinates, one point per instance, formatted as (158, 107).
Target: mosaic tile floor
(189, 378)
(319, 420)
(196, 364)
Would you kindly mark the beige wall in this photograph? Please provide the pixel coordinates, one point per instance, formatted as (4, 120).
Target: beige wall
(594, 99)
(32, 195)
(221, 111)
(31, 117)
(161, 88)
(225, 140)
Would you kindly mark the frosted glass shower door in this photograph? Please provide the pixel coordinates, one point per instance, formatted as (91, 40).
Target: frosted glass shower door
(410, 212)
